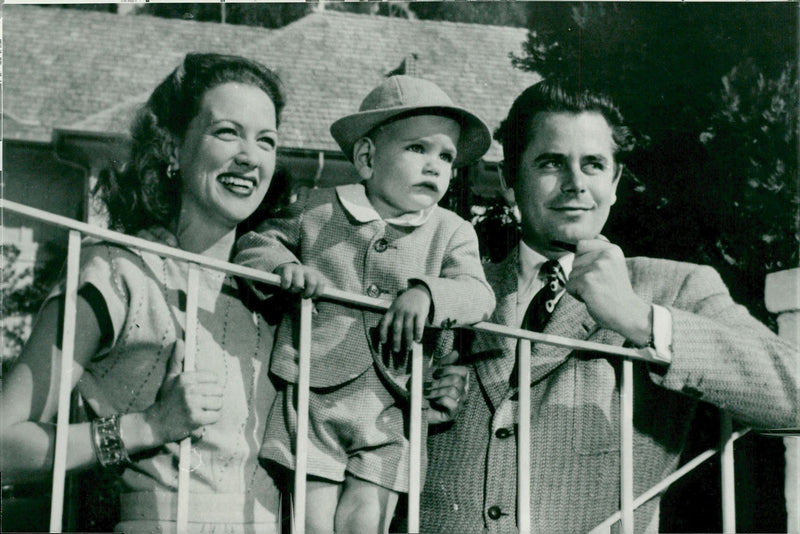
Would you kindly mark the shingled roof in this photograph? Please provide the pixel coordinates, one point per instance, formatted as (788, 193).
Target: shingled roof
(84, 70)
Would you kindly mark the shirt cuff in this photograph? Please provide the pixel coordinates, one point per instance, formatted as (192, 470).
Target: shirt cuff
(661, 341)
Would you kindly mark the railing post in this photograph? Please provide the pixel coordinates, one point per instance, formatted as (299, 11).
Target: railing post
(65, 384)
(189, 365)
(782, 296)
(415, 439)
(303, 397)
(626, 447)
(524, 437)
(727, 474)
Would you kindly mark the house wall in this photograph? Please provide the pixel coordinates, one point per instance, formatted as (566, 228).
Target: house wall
(32, 175)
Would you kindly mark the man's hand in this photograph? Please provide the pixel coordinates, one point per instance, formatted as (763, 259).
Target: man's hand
(600, 279)
(406, 318)
(300, 279)
(447, 390)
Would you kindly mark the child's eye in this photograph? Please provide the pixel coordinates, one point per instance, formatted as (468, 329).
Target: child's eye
(549, 164)
(447, 157)
(416, 148)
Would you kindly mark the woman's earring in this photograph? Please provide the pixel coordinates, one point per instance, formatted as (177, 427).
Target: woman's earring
(172, 171)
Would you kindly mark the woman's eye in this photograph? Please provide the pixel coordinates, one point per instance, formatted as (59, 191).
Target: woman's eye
(268, 142)
(226, 133)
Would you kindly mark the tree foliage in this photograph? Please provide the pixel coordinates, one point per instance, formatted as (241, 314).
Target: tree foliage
(22, 291)
(711, 92)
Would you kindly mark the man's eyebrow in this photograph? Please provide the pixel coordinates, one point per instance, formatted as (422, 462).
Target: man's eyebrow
(595, 157)
(546, 156)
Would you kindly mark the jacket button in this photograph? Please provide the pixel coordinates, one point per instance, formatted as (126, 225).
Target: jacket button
(494, 512)
(373, 291)
(502, 433)
(381, 245)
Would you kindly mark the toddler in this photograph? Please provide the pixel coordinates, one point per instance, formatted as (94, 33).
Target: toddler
(385, 237)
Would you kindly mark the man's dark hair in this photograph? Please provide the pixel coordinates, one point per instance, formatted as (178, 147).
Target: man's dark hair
(514, 133)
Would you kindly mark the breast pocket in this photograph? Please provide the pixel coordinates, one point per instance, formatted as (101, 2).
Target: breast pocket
(596, 407)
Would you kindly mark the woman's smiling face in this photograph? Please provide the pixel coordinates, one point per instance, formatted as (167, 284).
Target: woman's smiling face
(227, 156)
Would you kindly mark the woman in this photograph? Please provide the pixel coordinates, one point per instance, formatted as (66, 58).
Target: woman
(202, 159)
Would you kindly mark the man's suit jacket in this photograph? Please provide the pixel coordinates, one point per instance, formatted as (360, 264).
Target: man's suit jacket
(721, 355)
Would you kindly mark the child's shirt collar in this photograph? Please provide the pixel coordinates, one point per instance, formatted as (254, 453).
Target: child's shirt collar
(354, 200)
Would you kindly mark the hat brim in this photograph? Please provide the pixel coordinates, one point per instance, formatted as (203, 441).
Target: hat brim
(473, 142)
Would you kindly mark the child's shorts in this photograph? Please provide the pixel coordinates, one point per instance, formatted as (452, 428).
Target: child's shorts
(357, 428)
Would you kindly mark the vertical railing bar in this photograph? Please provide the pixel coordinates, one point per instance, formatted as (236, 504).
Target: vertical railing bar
(726, 465)
(626, 447)
(524, 437)
(189, 364)
(65, 384)
(415, 439)
(303, 392)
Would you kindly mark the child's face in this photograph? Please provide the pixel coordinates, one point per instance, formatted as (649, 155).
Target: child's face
(412, 164)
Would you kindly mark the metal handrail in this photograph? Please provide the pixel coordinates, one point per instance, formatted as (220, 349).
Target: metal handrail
(345, 297)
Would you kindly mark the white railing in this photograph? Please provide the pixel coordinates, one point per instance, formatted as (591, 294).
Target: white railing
(628, 502)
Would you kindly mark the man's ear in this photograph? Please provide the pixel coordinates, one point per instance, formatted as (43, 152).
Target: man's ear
(620, 168)
(616, 181)
(363, 152)
(506, 191)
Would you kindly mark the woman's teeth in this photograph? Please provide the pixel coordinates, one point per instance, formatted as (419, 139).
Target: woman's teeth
(237, 184)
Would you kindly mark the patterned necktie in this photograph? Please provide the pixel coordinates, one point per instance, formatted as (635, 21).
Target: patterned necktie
(544, 302)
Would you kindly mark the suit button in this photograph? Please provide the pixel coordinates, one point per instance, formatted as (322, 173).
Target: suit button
(381, 245)
(373, 291)
(502, 433)
(494, 512)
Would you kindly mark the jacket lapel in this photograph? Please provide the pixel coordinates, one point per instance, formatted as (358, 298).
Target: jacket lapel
(494, 356)
(571, 320)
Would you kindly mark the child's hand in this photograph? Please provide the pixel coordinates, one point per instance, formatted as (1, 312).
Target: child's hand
(406, 317)
(299, 278)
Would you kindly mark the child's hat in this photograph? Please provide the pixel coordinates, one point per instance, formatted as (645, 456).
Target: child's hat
(400, 95)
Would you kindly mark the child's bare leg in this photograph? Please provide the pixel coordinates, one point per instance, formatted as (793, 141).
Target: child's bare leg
(322, 496)
(364, 507)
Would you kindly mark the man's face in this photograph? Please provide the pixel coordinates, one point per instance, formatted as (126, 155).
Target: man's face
(567, 179)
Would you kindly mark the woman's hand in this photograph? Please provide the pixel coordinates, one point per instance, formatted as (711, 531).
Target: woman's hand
(448, 390)
(186, 402)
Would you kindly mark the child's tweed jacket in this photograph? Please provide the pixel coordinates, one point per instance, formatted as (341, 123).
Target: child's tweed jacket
(375, 259)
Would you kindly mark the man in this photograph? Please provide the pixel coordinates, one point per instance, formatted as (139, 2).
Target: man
(563, 157)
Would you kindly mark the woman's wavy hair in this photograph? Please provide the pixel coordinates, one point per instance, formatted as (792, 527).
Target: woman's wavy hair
(142, 194)
(514, 133)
